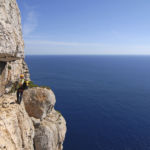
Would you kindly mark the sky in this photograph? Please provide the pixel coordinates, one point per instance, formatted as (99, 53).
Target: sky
(86, 26)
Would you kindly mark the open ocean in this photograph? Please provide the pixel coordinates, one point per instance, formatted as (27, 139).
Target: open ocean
(104, 99)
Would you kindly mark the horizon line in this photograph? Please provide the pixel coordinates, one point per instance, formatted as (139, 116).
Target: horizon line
(88, 54)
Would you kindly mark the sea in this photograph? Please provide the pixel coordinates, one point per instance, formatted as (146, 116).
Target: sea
(105, 99)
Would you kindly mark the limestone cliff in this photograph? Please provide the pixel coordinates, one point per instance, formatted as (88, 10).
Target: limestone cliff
(35, 124)
(50, 126)
(16, 127)
(11, 42)
(11, 46)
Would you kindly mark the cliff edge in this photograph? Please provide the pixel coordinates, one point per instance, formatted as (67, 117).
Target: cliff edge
(11, 46)
(35, 124)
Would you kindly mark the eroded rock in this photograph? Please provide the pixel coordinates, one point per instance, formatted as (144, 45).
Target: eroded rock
(50, 131)
(39, 102)
(16, 128)
(11, 42)
(11, 46)
(50, 134)
(10, 73)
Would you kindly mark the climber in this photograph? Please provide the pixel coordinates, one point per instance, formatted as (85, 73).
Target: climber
(25, 85)
(22, 85)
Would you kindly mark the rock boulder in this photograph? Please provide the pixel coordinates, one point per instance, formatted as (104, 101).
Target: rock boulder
(50, 126)
(38, 102)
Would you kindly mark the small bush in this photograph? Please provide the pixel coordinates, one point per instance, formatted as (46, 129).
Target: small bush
(9, 67)
(31, 85)
(45, 87)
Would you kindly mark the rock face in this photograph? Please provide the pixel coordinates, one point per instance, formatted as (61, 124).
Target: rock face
(16, 127)
(39, 102)
(33, 125)
(11, 42)
(10, 73)
(50, 126)
(11, 46)
(50, 134)
(18, 131)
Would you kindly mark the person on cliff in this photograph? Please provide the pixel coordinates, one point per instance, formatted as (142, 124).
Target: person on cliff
(22, 85)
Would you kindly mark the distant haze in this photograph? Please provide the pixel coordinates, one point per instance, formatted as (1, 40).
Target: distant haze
(86, 26)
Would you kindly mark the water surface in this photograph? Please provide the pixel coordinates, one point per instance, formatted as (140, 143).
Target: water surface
(104, 99)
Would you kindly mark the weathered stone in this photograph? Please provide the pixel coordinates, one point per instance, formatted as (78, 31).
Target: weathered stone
(16, 128)
(10, 73)
(11, 46)
(5, 104)
(11, 42)
(36, 122)
(51, 133)
(39, 102)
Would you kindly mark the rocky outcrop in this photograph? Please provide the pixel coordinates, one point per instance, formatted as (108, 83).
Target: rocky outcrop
(50, 134)
(10, 73)
(11, 46)
(19, 131)
(11, 42)
(39, 102)
(33, 125)
(50, 126)
(16, 127)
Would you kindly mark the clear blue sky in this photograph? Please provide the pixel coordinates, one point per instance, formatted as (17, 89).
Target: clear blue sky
(86, 26)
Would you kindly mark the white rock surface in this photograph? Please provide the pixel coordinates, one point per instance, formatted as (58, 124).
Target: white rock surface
(16, 127)
(39, 102)
(50, 134)
(11, 42)
(10, 73)
(18, 131)
(11, 46)
(51, 130)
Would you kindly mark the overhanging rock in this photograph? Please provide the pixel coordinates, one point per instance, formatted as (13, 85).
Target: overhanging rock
(11, 42)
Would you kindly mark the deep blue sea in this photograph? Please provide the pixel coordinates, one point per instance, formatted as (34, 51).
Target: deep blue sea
(104, 99)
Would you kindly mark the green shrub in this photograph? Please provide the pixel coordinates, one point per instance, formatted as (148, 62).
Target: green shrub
(31, 85)
(45, 87)
(9, 67)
